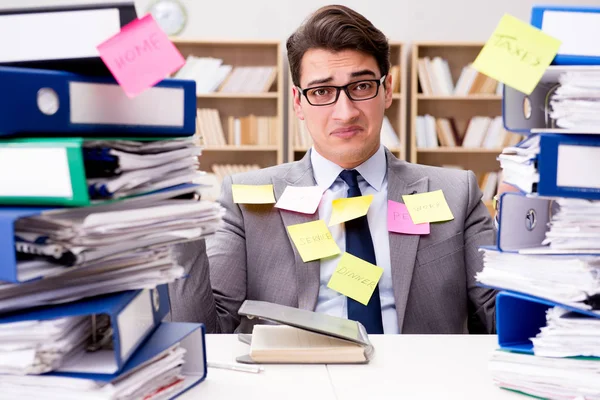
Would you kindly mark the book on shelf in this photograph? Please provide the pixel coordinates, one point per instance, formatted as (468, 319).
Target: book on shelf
(246, 130)
(435, 79)
(395, 74)
(212, 75)
(212, 180)
(481, 132)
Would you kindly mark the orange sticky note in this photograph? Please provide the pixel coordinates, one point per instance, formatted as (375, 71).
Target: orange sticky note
(140, 55)
(355, 278)
(345, 209)
(517, 54)
(313, 240)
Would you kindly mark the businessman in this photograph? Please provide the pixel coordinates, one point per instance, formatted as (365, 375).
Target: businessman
(339, 65)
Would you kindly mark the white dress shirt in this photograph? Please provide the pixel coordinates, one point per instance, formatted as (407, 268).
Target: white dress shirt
(372, 180)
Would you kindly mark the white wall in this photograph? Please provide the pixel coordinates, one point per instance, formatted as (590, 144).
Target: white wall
(403, 20)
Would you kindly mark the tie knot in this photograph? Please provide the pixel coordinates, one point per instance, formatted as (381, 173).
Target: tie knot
(350, 176)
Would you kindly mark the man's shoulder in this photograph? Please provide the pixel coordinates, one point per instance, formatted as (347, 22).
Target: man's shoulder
(438, 176)
(263, 176)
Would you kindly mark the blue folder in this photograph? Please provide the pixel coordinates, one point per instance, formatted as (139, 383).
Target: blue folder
(47, 102)
(520, 317)
(528, 114)
(570, 24)
(134, 315)
(191, 337)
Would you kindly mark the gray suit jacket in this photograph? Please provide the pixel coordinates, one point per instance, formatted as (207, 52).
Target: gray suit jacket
(252, 257)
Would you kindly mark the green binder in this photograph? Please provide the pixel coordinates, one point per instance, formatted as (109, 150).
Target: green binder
(47, 172)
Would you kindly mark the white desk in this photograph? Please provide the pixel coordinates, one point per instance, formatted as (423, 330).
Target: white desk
(404, 367)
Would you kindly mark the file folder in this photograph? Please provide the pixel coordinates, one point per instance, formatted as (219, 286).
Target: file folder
(528, 114)
(61, 37)
(190, 336)
(520, 317)
(9, 271)
(40, 102)
(133, 314)
(52, 172)
(522, 221)
(566, 166)
(576, 27)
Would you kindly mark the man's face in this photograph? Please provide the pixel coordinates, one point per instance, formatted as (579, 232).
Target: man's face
(346, 132)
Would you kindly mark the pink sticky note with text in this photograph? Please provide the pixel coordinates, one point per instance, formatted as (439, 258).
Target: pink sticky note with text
(140, 55)
(399, 220)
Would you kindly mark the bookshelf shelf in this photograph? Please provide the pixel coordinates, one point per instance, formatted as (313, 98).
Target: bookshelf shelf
(241, 148)
(299, 143)
(249, 96)
(472, 97)
(454, 150)
(452, 102)
(240, 101)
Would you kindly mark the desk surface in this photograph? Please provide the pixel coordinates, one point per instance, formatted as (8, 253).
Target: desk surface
(404, 367)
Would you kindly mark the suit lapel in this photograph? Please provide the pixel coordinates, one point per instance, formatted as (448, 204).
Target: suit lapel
(403, 248)
(307, 274)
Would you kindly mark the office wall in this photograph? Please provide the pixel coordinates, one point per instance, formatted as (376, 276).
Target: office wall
(405, 20)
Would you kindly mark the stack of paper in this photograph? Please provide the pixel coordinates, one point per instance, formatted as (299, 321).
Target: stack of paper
(159, 378)
(568, 334)
(35, 347)
(575, 226)
(54, 241)
(546, 377)
(519, 166)
(576, 102)
(567, 279)
(117, 168)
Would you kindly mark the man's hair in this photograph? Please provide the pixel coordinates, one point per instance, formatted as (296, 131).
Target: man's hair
(336, 28)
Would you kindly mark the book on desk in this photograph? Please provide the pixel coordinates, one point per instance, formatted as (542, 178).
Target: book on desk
(297, 336)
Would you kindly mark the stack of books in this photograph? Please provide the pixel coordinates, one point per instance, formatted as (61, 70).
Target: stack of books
(95, 188)
(546, 261)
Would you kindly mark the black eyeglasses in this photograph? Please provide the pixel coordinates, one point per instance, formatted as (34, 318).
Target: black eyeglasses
(356, 91)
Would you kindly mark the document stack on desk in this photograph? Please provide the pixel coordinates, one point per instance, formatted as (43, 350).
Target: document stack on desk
(546, 261)
(96, 185)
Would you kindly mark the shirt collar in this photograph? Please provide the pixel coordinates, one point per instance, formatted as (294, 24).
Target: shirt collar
(373, 170)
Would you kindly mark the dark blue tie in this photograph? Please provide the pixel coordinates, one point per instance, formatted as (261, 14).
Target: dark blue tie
(360, 244)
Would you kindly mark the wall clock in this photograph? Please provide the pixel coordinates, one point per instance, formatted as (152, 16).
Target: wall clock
(170, 15)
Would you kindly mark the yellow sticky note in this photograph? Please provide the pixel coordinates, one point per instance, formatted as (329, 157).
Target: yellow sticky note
(313, 240)
(349, 208)
(517, 54)
(428, 207)
(355, 278)
(253, 194)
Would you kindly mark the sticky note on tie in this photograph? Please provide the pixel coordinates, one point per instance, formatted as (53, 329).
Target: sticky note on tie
(428, 207)
(517, 54)
(400, 221)
(345, 209)
(140, 55)
(355, 278)
(253, 194)
(302, 199)
(313, 240)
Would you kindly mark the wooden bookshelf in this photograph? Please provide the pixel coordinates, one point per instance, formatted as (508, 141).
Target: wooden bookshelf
(396, 113)
(476, 99)
(258, 148)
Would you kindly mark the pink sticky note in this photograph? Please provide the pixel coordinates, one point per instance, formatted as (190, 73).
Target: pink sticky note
(140, 56)
(399, 220)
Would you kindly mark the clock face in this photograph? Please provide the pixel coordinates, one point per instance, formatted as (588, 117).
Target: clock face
(170, 15)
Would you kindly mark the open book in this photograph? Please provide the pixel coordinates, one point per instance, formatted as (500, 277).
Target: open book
(303, 337)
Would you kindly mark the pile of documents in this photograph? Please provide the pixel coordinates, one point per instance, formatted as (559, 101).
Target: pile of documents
(545, 263)
(576, 102)
(97, 183)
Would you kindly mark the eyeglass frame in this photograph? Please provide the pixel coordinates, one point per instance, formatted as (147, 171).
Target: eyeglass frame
(338, 89)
